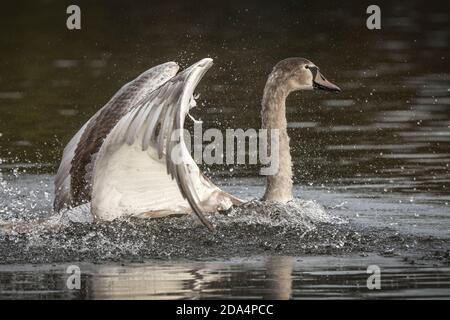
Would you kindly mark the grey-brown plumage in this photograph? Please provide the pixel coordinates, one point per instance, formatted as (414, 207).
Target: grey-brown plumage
(288, 75)
(73, 181)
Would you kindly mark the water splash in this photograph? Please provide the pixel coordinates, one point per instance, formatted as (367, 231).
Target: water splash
(302, 214)
(31, 233)
(254, 227)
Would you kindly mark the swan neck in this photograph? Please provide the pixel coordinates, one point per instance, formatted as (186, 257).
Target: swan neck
(279, 185)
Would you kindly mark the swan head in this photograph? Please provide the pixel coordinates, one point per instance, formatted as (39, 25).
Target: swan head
(301, 74)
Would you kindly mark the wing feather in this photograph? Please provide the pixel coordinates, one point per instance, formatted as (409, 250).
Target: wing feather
(72, 185)
(165, 108)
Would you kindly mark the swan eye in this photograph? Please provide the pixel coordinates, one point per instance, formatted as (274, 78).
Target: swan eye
(306, 67)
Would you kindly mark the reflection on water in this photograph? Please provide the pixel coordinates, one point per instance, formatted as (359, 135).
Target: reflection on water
(257, 278)
(269, 279)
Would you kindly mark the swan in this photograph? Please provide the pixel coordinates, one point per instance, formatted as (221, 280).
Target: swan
(118, 163)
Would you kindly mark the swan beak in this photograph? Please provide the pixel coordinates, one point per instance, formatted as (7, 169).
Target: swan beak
(321, 83)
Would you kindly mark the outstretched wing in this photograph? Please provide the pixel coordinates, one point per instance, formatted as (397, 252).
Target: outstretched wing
(73, 180)
(144, 166)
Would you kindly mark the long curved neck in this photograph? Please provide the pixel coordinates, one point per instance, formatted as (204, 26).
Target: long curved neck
(273, 114)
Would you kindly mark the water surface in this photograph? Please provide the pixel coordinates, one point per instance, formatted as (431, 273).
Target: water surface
(375, 156)
(279, 277)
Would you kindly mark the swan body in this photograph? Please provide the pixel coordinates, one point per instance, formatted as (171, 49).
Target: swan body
(120, 163)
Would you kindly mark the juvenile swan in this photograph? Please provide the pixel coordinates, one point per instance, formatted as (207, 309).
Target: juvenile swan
(119, 162)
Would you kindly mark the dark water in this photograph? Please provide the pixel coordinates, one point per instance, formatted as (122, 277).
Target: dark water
(378, 153)
(273, 252)
(257, 278)
(389, 129)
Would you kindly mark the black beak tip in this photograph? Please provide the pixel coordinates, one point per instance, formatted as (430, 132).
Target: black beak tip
(328, 87)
